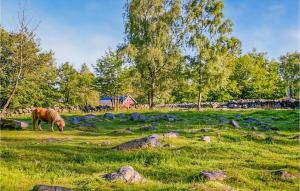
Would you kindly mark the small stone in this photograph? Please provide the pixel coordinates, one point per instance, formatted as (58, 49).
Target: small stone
(277, 132)
(155, 123)
(125, 174)
(105, 143)
(75, 120)
(193, 131)
(283, 174)
(204, 130)
(238, 116)
(148, 128)
(206, 139)
(89, 116)
(168, 145)
(213, 175)
(89, 125)
(171, 135)
(235, 124)
(109, 116)
(142, 118)
(264, 128)
(134, 116)
(50, 188)
(296, 137)
(121, 115)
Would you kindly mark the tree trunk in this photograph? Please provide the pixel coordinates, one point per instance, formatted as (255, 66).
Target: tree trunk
(152, 99)
(149, 99)
(199, 100)
(17, 80)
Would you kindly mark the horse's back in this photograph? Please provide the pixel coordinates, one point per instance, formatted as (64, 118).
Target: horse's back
(40, 113)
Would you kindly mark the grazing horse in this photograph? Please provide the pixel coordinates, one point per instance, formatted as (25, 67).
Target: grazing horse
(48, 115)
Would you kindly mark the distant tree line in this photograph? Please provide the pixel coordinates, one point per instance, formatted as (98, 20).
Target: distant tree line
(174, 52)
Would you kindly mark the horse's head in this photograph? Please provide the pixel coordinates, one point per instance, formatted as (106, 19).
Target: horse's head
(60, 124)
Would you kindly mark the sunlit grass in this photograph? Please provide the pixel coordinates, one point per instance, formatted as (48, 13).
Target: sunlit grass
(78, 161)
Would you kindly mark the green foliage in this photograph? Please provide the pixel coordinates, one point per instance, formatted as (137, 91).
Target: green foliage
(289, 71)
(77, 88)
(210, 47)
(256, 77)
(151, 32)
(111, 78)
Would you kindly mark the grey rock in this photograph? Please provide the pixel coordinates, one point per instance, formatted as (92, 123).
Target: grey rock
(125, 174)
(134, 116)
(150, 141)
(89, 125)
(50, 188)
(155, 123)
(89, 116)
(213, 175)
(171, 135)
(204, 130)
(206, 139)
(105, 143)
(75, 120)
(283, 174)
(142, 118)
(12, 124)
(235, 124)
(121, 115)
(264, 128)
(109, 116)
(168, 145)
(296, 137)
(148, 128)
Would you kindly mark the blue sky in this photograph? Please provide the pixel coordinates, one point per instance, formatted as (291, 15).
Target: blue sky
(81, 31)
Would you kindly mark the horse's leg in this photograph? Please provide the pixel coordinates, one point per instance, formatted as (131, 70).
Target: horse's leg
(51, 125)
(33, 122)
(39, 125)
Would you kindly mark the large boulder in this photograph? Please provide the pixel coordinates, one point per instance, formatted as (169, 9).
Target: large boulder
(213, 175)
(50, 188)
(150, 141)
(125, 174)
(12, 124)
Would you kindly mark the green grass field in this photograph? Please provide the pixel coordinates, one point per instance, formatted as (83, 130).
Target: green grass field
(76, 158)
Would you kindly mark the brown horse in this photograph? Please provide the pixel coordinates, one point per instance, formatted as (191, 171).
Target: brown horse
(48, 115)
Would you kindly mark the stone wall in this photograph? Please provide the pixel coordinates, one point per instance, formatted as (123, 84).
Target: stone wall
(244, 104)
(60, 109)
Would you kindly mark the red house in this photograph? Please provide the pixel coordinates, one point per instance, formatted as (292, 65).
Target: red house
(125, 101)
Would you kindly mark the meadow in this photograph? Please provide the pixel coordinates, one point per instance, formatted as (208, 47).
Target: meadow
(78, 157)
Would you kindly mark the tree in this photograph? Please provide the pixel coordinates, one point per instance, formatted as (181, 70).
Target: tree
(110, 76)
(207, 38)
(151, 28)
(87, 93)
(19, 57)
(289, 71)
(256, 77)
(68, 83)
